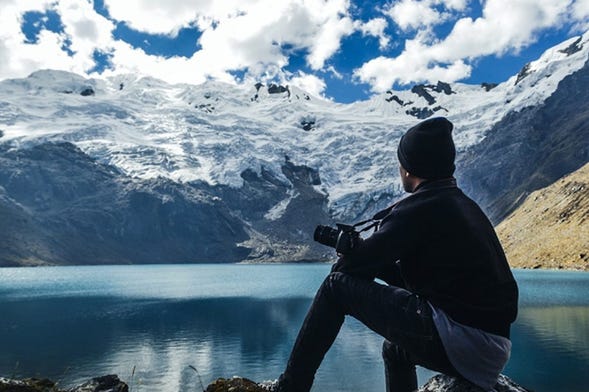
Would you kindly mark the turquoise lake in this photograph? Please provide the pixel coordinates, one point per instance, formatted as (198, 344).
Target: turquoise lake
(152, 324)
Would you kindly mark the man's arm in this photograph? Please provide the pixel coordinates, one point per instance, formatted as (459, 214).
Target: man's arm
(375, 256)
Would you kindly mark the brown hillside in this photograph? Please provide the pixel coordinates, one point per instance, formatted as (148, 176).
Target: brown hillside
(551, 228)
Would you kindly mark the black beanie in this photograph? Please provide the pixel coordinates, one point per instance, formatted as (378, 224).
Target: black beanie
(427, 150)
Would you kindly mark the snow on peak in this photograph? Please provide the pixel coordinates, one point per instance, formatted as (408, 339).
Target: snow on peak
(214, 131)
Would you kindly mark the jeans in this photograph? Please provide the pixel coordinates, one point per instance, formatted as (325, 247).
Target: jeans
(401, 317)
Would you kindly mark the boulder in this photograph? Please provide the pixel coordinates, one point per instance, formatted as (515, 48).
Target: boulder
(235, 384)
(444, 383)
(109, 383)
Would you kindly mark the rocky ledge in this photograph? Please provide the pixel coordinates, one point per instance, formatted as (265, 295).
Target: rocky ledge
(439, 383)
(110, 383)
(443, 383)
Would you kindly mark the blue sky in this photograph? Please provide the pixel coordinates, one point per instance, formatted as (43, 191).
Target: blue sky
(339, 49)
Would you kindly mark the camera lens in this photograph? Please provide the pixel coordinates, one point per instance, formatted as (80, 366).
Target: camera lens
(326, 235)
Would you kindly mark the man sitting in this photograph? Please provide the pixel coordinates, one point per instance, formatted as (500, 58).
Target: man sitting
(451, 296)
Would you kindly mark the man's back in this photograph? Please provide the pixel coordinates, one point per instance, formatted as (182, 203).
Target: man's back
(450, 254)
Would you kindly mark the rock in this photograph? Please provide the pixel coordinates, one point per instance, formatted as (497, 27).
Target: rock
(439, 383)
(235, 384)
(423, 113)
(573, 48)
(109, 383)
(26, 385)
(488, 86)
(523, 73)
(421, 90)
(88, 91)
(444, 383)
(278, 89)
(397, 99)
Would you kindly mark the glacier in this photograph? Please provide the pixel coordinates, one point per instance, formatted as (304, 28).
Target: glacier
(213, 132)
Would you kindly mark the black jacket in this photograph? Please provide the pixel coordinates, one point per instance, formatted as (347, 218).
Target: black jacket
(439, 244)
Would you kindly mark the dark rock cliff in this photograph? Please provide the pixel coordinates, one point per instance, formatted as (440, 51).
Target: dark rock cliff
(59, 206)
(530, 149)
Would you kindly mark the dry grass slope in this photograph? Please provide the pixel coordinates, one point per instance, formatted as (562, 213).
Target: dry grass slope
(551, 228)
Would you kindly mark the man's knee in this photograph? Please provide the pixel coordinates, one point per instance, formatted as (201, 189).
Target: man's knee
(394, 356)
(336, 289)
(333, 281)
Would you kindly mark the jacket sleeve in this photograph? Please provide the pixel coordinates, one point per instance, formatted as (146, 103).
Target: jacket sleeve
(375, 256)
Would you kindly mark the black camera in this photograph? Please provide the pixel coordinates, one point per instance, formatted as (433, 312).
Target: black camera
(343, 239)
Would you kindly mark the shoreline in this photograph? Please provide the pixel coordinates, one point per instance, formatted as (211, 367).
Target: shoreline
(536, 267)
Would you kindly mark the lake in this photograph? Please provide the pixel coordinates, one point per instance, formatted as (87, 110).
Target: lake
(152, 325)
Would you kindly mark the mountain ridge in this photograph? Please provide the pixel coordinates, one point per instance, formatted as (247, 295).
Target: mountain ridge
(245, 173)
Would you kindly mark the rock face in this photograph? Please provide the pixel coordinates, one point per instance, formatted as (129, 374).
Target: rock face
(235, 384)
(551, 229)
(439, 383)
(110, 383)
(443, 383)
(530, 149)
(59, 206)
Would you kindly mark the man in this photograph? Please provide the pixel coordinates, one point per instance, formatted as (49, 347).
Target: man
(451, 296)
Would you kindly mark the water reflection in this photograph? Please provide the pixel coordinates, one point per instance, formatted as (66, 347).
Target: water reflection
(160, 339)
(551, 346)
(560, 327)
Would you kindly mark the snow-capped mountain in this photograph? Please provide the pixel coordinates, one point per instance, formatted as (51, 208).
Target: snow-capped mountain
(262, 152)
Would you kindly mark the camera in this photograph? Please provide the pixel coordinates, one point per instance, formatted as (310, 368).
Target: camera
(343, 239)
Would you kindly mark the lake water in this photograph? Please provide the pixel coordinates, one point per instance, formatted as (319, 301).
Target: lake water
(152, 324)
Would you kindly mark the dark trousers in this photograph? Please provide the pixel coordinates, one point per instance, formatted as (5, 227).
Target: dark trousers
(401, 317)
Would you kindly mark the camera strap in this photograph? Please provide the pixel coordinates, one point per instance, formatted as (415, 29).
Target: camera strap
(375, 220)
(424, 187)
(372, 222)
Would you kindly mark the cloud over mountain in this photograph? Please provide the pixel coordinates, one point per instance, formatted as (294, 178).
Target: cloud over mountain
(376, 45)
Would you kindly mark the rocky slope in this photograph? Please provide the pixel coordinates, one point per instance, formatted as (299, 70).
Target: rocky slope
(530, 149)
(551, 227)
(59, 206)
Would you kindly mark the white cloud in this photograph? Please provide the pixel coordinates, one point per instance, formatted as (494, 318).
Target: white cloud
(456, 5)
(236, 35)
(168, 17)
(331, 69)
(18, 58)
(505, 26)
(376, 28)
(257, 36)
(127, 59)
(414, 14)
(87, 30)
(581, 8)
(241, 34)
(580, 13)
(309, 83)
